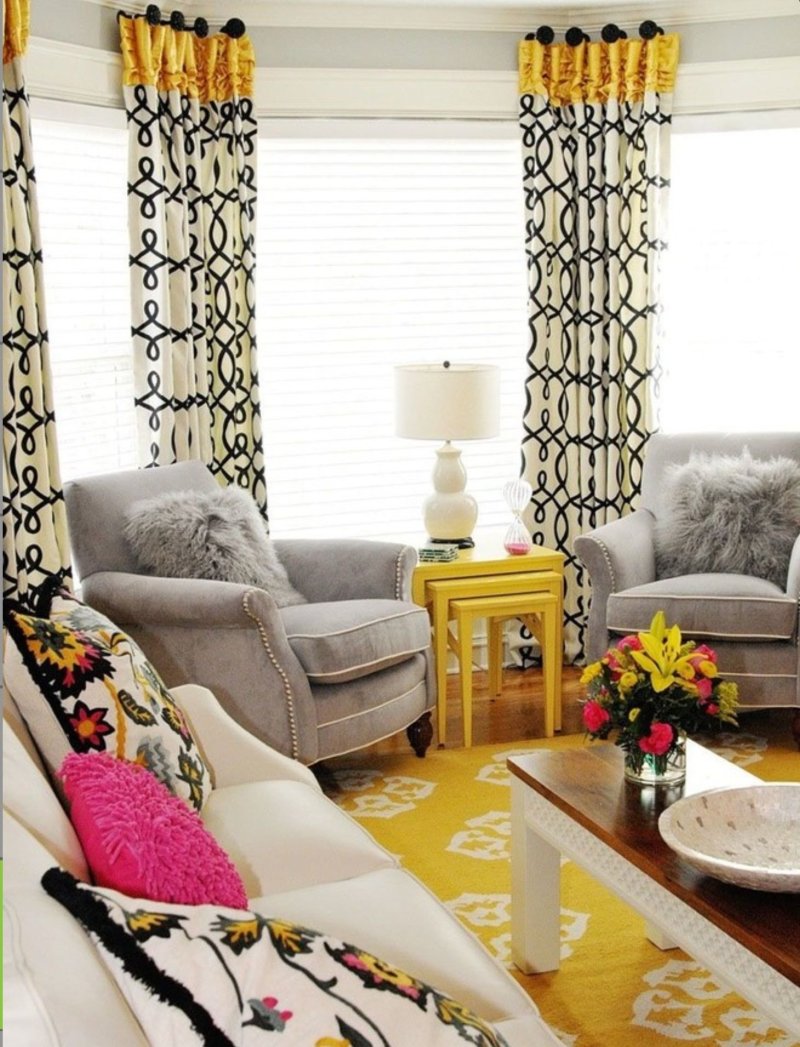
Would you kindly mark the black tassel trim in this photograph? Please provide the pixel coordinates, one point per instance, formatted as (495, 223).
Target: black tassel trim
(94, 917)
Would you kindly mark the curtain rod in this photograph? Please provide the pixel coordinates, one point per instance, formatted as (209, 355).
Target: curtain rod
(610, 33)
(234, 27)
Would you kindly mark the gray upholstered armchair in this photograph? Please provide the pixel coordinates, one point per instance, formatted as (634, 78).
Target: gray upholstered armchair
(351, 666)
(750, 621)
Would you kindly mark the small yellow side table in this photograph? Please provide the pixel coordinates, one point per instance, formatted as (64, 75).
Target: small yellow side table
(487, 571)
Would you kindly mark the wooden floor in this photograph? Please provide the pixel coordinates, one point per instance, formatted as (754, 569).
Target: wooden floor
(516, 715)
(519, 713)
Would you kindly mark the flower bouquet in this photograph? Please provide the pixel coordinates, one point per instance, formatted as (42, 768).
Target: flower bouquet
(653, 689)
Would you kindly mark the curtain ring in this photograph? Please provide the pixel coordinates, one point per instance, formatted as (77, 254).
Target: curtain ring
(201, 27)
(611, 33)
(575, 36)
(177, 21)
(152, 14)
(545, 34)
(234, 27)
(648, 30)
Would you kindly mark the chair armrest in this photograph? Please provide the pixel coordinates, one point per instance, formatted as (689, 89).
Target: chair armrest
(235, 756)
(618, 556)
(348, 568)
(793, 577)
(621, 554)
(221, 635)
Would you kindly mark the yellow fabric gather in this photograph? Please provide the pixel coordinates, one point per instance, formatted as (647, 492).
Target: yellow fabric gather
(597, 71)
(16, 27)
(213, 68)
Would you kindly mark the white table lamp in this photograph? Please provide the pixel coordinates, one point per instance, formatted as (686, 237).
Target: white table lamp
(448, 402)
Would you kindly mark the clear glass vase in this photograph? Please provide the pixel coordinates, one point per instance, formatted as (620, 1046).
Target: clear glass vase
(647, 769)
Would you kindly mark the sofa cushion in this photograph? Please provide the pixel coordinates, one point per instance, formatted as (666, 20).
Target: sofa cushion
(347, 639)
(229, 976)
(349, 719)
(141, 839)
(217, 534)
(284, 834)
(729, 514)
(81, 684)
(56, 990)
(712, 606)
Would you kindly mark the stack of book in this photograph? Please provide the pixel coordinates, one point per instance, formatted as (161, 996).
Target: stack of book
(438, 553)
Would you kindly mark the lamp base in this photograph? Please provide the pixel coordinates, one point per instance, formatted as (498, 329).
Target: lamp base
(462, 543)
(450, 513)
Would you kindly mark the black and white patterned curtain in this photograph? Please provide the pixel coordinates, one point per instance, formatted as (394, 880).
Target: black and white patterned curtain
(192, 200)
(595, 121)
(35, 542)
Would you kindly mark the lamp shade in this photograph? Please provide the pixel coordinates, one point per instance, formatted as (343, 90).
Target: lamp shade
(447, 401)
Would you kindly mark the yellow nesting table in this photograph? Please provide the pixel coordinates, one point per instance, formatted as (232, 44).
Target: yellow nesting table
(487, 582)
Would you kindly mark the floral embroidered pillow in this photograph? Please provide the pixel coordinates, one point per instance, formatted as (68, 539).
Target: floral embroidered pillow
(225, 976)
(82, 685)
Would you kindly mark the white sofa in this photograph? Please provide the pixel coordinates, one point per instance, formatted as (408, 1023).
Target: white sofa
(301, 858)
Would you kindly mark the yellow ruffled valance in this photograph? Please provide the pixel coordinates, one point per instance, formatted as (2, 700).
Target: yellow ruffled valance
(597, 71)
(16, 27)
(213, 68)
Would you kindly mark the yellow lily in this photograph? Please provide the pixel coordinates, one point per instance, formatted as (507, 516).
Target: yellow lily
(661, 655)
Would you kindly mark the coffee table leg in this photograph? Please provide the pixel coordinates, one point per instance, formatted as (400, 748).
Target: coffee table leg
(657, 937)
(535, 892)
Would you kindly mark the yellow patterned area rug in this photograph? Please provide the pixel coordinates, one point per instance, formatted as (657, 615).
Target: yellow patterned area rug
(447, 818)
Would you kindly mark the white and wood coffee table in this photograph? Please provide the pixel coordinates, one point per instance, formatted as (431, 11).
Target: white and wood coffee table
(576, 802)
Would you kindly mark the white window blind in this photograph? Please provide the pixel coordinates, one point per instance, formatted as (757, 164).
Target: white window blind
(81, 173)
(372, 253)
(732, 276)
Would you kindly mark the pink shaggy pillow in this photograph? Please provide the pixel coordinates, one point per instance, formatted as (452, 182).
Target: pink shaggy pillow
(142, 840)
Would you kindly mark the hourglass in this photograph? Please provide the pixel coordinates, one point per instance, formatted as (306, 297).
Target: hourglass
(517, 494)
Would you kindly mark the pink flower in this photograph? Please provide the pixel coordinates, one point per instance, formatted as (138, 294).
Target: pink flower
(632, 642)
(614, 667)
(659, 740)
(595, 716)
(704, 661)
(703, 686)
(711, 708)
(705, 652)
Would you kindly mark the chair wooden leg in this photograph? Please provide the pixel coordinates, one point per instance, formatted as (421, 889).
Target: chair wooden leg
(420, 733)
(796, 727)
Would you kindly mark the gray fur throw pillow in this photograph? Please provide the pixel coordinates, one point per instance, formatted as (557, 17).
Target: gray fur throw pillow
(730, 515)
(208, 534)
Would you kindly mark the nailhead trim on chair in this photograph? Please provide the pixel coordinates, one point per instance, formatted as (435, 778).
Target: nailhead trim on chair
(398, 577)
(610, 566)
(262, 632)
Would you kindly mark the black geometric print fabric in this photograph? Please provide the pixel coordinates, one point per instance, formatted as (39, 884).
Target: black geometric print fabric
(595, 184)
(35, 543)
(192, 200)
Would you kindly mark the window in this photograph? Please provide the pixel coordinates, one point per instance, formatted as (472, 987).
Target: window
(732, 274)
(81, 171)
(374, 252)
(378, 247)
